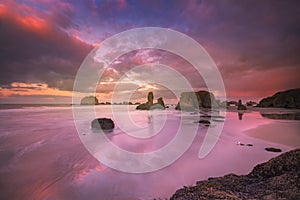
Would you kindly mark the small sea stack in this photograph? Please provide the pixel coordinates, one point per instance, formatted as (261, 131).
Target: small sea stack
(89, 100)
(149, 105)
(240, 106)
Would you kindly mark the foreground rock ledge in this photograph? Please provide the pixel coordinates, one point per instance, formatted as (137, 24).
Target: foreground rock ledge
(276, 179)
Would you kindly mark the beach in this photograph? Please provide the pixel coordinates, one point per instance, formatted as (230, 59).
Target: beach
(42, 156)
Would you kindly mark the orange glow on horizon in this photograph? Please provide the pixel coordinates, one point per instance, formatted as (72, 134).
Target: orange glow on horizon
(27, 89)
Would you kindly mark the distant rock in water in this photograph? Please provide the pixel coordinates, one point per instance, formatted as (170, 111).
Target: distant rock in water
(251, 103)
(190, 101)
(276, 179)
(285, 99)
(103, 123)
(149, 105)
(240, 106)
(89, 100)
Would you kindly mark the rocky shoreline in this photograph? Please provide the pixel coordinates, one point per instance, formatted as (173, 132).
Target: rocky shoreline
(278, 178)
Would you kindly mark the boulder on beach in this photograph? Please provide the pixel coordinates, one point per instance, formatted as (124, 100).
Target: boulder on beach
(149, 105)
(190, 101)
(103, 123)
(89, 100)
(284, 99)
(276, 179)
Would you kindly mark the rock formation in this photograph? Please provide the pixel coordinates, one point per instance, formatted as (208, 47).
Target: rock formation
(284, 99)
(161, 101)
(103, 123)
(251, 103)
(190, 101)
(276, 179)
(89, 100)
(149, 105)
(240, 106)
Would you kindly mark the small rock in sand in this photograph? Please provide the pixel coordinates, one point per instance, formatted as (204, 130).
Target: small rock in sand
(272, 149)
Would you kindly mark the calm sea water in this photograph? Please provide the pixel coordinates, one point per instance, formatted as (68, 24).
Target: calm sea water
(42, 156)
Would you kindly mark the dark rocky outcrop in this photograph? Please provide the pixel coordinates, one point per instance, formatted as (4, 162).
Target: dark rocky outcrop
(103, 123)
(89, 100)
(149, 105)
(284, 99)
(276, 179)
(240, 106)
(161, 102)
(190, 101)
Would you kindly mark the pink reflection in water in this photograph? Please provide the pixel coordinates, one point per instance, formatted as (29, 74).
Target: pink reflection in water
(42, 156)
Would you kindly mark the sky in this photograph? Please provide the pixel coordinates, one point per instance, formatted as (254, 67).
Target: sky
(255, 45)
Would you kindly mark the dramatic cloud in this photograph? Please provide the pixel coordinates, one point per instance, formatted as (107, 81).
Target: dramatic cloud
(35, 49)
(255, 44)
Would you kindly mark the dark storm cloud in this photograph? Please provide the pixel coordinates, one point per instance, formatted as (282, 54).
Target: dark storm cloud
(38, 52)
(248, 34)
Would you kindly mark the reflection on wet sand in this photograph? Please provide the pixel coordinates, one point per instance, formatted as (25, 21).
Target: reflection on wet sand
(284, 116)
(240, 114)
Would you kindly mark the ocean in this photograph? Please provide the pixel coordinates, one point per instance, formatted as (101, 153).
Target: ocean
(44, 156)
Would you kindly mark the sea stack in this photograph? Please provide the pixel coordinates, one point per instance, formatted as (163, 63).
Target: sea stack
(190, 101)
(149, 105)
(89, 100)
(240, 106)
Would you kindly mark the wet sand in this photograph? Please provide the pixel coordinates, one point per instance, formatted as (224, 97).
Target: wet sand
(286, 133)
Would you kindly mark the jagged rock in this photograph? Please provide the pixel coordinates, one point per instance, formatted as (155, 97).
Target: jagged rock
(190, 101)
(161, 102)
(284, 99)
(149, 104)
(276, 179)
(89, 100)
(240, 106)
(103, 123)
